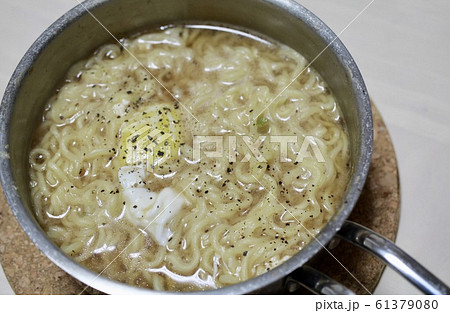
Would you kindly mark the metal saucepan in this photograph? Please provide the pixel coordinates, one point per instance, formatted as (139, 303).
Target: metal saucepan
(77, 33)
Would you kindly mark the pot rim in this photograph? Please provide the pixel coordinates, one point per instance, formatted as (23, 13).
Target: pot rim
(92, 279)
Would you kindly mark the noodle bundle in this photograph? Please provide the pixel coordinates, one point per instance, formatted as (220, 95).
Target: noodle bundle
(183, 222)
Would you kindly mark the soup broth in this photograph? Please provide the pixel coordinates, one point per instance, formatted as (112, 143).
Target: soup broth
(188, 158)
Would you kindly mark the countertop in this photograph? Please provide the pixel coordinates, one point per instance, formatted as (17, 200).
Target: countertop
(402, 50)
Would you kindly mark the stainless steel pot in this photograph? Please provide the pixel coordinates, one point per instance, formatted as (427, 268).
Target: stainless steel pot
(77, 33)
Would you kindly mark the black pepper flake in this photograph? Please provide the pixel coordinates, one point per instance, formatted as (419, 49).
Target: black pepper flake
(134, 138)
(245, 253)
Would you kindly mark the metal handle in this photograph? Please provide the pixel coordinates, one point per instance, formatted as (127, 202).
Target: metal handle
(315, 282)
(393, 256)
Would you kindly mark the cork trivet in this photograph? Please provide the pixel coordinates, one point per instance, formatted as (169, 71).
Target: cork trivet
(30, 272)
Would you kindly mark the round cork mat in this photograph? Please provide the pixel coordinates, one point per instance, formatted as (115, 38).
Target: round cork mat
(30, 272)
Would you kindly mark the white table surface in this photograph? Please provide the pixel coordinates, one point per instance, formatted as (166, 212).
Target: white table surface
(402, 49)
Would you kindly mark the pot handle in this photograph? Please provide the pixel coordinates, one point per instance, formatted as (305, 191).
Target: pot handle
(316, 282)
(393, 256)
(380, 247)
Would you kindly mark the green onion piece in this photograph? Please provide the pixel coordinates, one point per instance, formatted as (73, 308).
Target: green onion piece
(262, 124)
